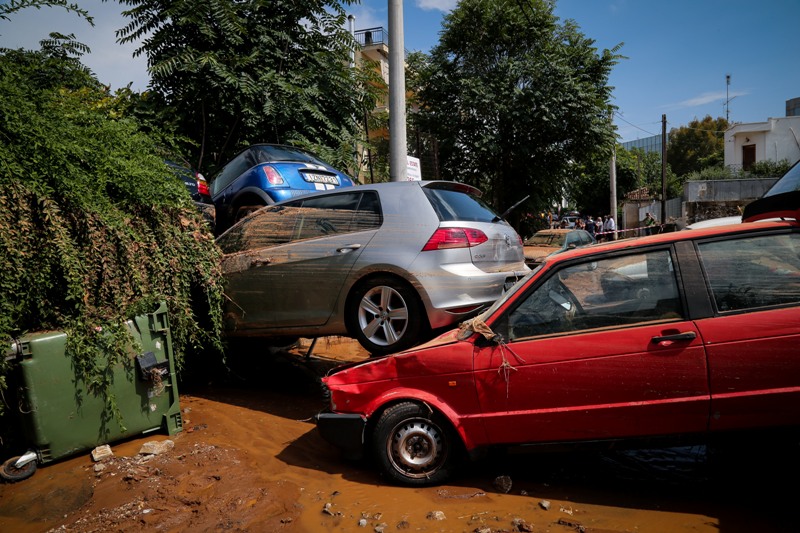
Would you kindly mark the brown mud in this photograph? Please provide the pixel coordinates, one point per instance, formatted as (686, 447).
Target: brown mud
(249, 459)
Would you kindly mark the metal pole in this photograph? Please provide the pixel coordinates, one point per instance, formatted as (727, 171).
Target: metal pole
(397, 94)
(663, 169)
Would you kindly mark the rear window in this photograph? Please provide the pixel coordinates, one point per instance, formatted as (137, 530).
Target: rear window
(268, 154)
(456, 205)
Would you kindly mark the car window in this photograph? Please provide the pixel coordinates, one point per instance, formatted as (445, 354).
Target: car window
(230, 172)
(753, 272)
(303, 219)
(452, 205)
(271, 153)
(573, 239)
(613, 292)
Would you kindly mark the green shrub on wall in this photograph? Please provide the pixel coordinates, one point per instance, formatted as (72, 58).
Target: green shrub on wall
(94, 227)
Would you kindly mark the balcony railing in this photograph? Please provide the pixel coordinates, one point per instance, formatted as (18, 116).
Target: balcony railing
(372, 36)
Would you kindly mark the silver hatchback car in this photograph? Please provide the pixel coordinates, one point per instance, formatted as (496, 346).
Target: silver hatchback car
(384, 263)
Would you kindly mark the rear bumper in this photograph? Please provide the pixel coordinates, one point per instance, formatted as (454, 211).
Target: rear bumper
(345, 431)
(462, 286)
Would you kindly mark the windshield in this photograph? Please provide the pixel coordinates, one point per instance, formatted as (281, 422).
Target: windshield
(789, 182)
(546, 239)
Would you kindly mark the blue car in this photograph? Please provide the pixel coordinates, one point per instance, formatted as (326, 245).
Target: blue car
(264, 174)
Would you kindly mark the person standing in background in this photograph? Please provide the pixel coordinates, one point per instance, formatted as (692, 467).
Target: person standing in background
(609, 228)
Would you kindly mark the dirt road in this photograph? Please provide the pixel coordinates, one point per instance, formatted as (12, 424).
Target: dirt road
(249, 459)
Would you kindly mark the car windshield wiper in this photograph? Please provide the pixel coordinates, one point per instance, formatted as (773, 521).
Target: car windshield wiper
(507, 211)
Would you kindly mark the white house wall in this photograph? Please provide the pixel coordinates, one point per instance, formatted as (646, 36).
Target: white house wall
(774, 140)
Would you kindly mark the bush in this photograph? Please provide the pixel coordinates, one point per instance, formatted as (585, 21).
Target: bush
(94, 227)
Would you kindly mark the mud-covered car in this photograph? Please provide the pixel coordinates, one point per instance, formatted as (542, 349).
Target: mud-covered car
(665, 338)
(386, 264)
(552, 241)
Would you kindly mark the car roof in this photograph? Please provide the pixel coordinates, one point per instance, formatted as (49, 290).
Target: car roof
(394, 185)
(676, 236)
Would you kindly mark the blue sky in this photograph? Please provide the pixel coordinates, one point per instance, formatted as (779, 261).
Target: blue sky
(678, 51)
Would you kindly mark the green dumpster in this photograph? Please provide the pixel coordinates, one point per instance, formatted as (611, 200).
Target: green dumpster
(59, 417)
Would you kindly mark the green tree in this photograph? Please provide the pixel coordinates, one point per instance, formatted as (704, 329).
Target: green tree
(514, 99)
(94, 228)
(237, 73)
(699, 145)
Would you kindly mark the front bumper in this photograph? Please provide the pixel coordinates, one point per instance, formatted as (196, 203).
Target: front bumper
(345, 431)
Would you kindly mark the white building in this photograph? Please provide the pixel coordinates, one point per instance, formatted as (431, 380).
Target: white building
(774, 140)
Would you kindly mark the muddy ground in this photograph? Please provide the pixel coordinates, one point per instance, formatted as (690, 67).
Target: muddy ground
(249, 459)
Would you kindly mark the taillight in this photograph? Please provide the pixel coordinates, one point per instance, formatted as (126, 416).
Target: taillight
(444, 238)
(202, 186)
(273, 176)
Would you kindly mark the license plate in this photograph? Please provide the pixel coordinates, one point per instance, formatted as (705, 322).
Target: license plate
(320, 178)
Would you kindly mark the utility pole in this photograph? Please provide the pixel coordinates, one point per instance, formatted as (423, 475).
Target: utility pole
(727, 98)
(663, 169)
(397, 94)
(612, 174)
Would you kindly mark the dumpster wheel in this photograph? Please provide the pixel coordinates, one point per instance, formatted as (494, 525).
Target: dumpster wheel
(11, 473)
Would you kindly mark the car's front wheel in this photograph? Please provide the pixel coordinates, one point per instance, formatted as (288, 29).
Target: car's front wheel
(385, 316)
(414, 445)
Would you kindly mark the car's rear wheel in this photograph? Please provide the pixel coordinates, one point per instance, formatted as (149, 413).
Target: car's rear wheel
(414, 445)
(385, 315)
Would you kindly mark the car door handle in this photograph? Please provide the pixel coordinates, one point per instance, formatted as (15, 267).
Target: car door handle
(688, 336)
(348, 248)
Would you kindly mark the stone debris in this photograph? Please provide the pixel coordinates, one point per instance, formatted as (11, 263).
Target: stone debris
(102, 452)
(502, 483)
(545, 504)
(521, 525)
(362, 522)
(436, 515)
(577, 526)
(155, 447)
(327, 509)
(380, 528)
(482, 529)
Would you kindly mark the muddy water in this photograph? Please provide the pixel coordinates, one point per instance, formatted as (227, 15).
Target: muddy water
(249, 459)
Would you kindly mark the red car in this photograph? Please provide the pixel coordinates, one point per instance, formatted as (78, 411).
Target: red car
(681, 334)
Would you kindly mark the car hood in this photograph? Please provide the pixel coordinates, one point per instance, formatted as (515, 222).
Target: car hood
(374, 367)
(537, 251)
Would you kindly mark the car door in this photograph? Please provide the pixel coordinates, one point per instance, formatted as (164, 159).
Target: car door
(297, 282)
(752, 340)
(598, 349)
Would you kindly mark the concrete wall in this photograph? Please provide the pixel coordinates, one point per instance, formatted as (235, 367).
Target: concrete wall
(726, 190)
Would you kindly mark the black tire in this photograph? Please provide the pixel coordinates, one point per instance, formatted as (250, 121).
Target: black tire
(12, 474)
(415, 446)
(384, 315)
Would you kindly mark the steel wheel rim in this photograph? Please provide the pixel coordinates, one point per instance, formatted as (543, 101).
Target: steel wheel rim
(416, 448)
(383, 315)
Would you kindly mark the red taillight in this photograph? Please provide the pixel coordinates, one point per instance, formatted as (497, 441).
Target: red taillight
(273, 176)
(202, 187)
(444, 238)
